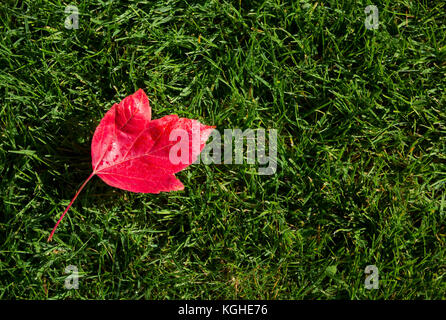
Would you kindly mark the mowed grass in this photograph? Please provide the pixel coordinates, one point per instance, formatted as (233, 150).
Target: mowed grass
(360, 116)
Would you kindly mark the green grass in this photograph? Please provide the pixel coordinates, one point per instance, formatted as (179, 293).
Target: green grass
(361, 170)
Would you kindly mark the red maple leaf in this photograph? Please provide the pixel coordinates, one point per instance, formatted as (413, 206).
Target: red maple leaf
(132, 152)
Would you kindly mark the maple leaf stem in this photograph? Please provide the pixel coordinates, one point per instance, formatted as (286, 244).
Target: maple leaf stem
(69, 206)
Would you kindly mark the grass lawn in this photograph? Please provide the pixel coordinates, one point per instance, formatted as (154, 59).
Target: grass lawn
(360, 117)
